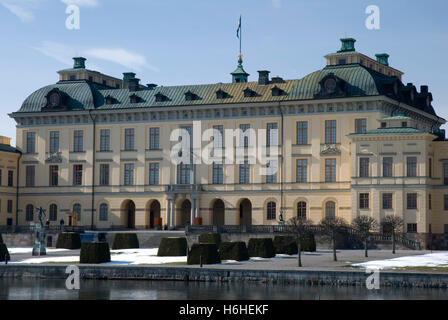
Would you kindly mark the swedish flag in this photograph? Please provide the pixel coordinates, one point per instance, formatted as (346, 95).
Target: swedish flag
(239, 28)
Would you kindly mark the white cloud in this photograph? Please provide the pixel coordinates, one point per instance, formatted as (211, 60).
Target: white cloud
(121, 56)
(277, 4)
(57, 51)
(20, 8)
(81, 3)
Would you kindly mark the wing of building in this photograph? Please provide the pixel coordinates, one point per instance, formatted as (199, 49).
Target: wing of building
(353, 140)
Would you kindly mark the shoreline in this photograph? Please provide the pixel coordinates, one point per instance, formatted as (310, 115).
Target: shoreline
(315, 277)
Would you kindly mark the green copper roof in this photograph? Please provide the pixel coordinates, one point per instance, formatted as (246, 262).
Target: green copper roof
(390, 131)
(399, 117)
(8, 148)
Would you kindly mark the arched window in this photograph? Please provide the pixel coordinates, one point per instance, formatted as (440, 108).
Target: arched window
(77, 210)
(30, 212)
(330, 210)
(301, 210)
(271, 210)
(104, 212)
(53, 212)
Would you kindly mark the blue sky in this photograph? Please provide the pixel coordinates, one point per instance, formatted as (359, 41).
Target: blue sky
(174, 42)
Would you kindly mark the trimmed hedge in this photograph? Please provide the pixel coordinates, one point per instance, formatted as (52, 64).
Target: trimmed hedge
(125, 241)
(308, 243)
(208, 252)
(68, 240)
(261, 247)
(210, 238)
(1, 239)
(172, 247)
(94, 252)
(233, 251)
(285, 245)
(4, 251)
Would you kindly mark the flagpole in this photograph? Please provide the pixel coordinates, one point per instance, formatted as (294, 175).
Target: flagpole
(241, 33)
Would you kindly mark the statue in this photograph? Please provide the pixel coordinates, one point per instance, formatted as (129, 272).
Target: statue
(280, 222)
(39, 234)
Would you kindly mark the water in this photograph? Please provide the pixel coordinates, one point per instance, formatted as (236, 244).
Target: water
(32, 289)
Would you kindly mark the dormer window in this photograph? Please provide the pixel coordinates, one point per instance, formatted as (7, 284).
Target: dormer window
(72, 77)
(135, 98)
(160, 97)
(110, 100)
(342, 61)
(221, 94)
(249, 93)
(190, 96)
(404, 124)
(383, 124)
(276, 91)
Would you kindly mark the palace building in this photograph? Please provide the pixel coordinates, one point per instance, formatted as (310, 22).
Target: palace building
(353, 140)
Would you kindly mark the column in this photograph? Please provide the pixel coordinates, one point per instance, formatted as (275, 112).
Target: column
(193, 205)
(168, 212)
(172, 212)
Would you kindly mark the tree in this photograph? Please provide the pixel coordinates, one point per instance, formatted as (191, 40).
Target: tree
(331, 227)
(365, 225)
(300, 227)
(393, 225)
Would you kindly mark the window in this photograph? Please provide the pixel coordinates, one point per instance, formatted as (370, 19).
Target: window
(271, 172)
(154, 134)
(0, 177)
(128, 174)
(30, 176)
(9, 206)
(430, 168)
(129, 139)
(271, 210)
(429, 202)
(78, 137)
(412, 201)
(104, 174)
(302, 132)
(271, 134)
(387, 167)
(387, 201)
(10, 178)
(183, 173)
(153, 173)
(411, 166)
(330, 210)
(77, 174)
(217, 136)
(302, 171)
(383, 125)
(330, 131)
(244, 138)
(54, 141)
(105, 140)
(404, 124)
(445, 173)
(301, 210)
(445, 202)
(364, 167)
(330, 170)
(30, 142)
(54, 176)
(363, 201)
(53, 212)
(104, 210)
(217, 173)
(360, 125)
(77, 210)
(342, 61)
(29, 213)
(446, 228)
(412, 228)
(244, 172)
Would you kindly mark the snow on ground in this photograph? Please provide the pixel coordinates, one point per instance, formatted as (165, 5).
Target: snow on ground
(30, 250)
(428, 260)
(125, 256)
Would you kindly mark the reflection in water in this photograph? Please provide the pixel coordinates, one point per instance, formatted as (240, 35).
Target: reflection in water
(38, 289)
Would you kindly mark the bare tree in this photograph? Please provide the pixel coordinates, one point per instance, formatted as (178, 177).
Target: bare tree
(331, 227)
(365, 226)
(300, 227)
(394, 225)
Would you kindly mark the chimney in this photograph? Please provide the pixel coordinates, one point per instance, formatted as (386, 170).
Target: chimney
(263, 77)
(151, 86)
(80, 63)
(134, 84)
(424, 89)
(127, 77)
(348, 45)
(383, 58)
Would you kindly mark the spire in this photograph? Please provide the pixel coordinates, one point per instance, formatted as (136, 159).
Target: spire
(239, 75)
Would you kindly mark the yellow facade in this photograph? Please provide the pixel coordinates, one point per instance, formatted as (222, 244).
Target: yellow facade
(8, 182)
